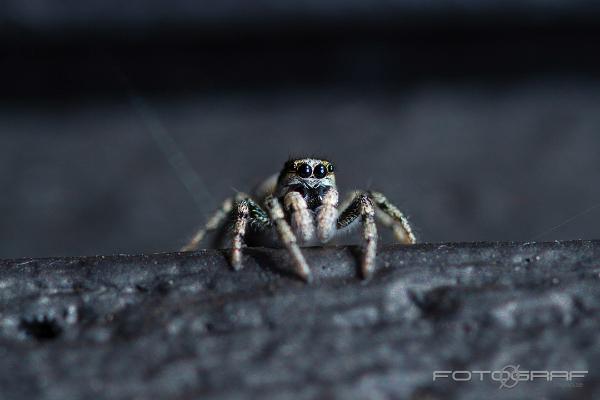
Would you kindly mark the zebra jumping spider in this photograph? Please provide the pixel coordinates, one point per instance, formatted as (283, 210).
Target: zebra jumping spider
(299, 207)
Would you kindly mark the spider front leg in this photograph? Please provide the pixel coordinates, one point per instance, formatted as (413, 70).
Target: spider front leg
(287, 237)
(300, 217)
(327, 215)
(362, 206)
(302, 220)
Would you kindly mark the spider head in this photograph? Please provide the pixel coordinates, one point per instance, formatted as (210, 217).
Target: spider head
(310, 177)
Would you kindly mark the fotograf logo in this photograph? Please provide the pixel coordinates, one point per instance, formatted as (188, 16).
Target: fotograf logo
(510, 376)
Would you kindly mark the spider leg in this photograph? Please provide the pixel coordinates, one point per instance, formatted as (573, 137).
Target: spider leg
(362, 206)
(300, 217)
(393, 218)
(247, 211)
(327, 215)
(214, 222)
(286, 235)
(349, 198)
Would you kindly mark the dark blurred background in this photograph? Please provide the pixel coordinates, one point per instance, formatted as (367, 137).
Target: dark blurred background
(481, 119)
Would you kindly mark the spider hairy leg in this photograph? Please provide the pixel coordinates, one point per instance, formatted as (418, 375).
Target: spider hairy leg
(239, 231)
(214, 222)
(247, 212)
(301, 218)
(349, 199)
(362, 206)
(287, 237)
(393, 218)
(327, 215)
(369, 236)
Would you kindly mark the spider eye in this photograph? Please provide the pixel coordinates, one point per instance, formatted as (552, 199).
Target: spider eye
(304, 170)
(320, 171)
(330, 168)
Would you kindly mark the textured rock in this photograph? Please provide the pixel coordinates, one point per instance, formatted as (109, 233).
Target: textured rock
(186, 326)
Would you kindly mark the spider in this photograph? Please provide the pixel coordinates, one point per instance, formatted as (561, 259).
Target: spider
(299, 207)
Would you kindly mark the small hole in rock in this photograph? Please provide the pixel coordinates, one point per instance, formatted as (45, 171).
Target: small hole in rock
(41, 329)
(163, 287)
(141, 288)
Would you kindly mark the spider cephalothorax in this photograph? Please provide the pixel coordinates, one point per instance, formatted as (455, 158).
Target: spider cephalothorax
(301, 208)
(306, 188)
(310, 177)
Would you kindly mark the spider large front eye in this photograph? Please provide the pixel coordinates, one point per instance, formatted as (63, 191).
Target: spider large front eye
(304, 170)
(320, 171)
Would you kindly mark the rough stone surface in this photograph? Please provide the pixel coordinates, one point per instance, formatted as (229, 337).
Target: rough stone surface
(186, 326)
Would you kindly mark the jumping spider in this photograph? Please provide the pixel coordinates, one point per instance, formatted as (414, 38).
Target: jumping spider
(301, 208)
